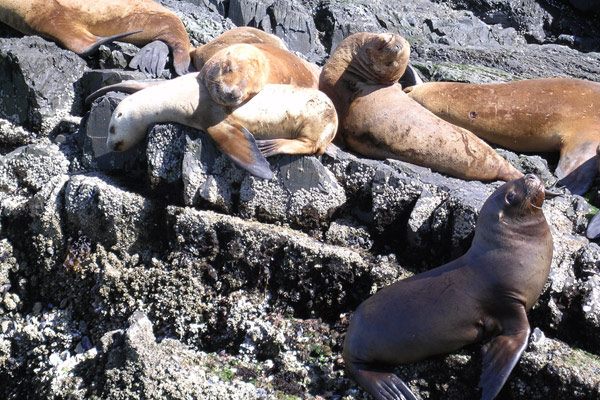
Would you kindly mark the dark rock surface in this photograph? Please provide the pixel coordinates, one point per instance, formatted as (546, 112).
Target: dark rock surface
(168, 272)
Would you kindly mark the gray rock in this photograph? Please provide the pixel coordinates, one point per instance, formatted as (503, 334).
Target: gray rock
(348, 233)
(531, 61)
(38, 81)
(203, 19)
(209, 177)
(311, 277)
(303, 193)
(108, 214)
(166, 145)
(96, 155)
(287, 20)
(26, 169)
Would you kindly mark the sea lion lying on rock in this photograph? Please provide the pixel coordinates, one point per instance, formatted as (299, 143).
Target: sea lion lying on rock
(482, 296)
(241, 34)
(377, 119)
(535, 115)
(83, 25)
(288, 119)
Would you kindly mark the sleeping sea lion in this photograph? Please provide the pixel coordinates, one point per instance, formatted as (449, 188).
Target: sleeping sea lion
(483, 296)
(241, 34)
(240, 71)
(83, 25)
(536, 115)
(289, 119)
(377, 119)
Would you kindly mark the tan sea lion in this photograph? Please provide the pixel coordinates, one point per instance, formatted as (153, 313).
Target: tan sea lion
(241, 34)
(83, 25)
(288, 119)
(536, 115)
(240, 71)
(482, 296)
(377, 119)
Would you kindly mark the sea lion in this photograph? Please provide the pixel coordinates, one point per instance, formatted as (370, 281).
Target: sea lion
(483, 296)
(241, 34)
(240, 71)
(377, 119)
(288, 119)
(536, 115)
(80, 25)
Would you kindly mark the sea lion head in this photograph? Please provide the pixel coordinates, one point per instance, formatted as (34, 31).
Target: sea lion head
(380, 58)
(235, 74)
(516, 200)
(126, 127)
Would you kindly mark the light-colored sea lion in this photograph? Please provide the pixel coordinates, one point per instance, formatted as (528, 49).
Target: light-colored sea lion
(483, 296)
(240, 71)
(536, 115)
(377, 119)
(80, 25)
(288, 119)
(241, 34)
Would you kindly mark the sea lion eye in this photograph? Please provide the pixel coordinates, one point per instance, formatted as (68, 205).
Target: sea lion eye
(510, 196)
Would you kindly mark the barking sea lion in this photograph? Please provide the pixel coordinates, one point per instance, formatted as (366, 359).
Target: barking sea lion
(482, 296)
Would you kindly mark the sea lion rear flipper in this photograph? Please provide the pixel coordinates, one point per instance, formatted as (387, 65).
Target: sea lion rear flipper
(593, 229)
(129, 87)
(501, 354)
(151, 58)
(578, 165)
(93, 47)
(239, 144)
(580, 179)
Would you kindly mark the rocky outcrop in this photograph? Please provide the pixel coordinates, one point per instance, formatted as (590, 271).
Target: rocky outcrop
(166, 271)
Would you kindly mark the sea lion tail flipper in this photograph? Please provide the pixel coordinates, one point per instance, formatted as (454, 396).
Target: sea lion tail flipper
(271, 147)
(332, 150)
(593, 229)
(239, 145)
(125, 87)
(501, 354)
(93, 47)
(151, 58)
(578, 164)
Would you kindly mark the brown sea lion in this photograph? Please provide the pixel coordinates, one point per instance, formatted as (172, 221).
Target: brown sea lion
(483, 296)
(288, 119)
(536, 115)
(377, 119)
(240, 71)
(241, 34)
(83, 25)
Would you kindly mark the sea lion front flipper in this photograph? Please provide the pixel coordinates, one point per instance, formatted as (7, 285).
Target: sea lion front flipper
(271, 147)
(151, 58)
(383, 385)
(239, 144)
(501, 353)
(578, 166)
